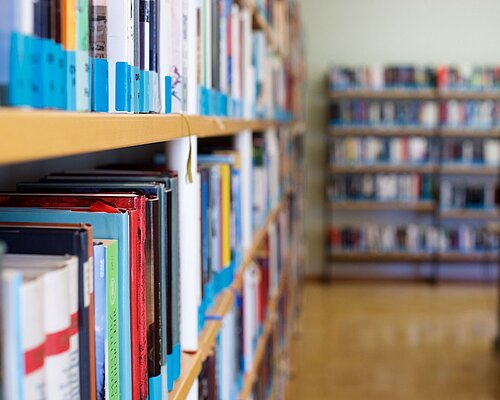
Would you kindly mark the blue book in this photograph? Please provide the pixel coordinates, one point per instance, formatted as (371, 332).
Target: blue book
(104, 225)
(100, 316)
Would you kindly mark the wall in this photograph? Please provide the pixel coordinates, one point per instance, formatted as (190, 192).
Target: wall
(382, 31)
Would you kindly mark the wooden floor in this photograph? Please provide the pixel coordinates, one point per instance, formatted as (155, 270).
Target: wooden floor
(379, 341)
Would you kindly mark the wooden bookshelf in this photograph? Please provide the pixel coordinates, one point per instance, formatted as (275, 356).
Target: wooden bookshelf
(469, 95)
(30, 135)
(192, 362)
(413, 257)
(470, 133)
(381, 131)
(420, 206)
(459, 169)
(470, 214)
(380, 257)
(357, 169)
(385, 94)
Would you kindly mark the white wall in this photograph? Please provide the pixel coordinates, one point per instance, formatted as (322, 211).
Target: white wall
(382, 31)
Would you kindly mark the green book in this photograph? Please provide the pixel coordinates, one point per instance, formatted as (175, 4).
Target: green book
(112, 360)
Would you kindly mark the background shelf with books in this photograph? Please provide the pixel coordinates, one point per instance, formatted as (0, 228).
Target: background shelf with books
(413, 158)
(186, 130)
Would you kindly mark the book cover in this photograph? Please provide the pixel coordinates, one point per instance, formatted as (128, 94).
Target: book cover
(112, 326)
(100, 316)
(82, 55)
(108, 225)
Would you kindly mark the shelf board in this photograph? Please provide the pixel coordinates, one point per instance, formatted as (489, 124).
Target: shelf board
(470, 214)
(192, 362)
(470, 133)
(469, 95)
(355, 205)
(357, 169)
(30, 135)
(388, 94)
(460, 169)
(469, 257)
(381, 131)
(379, 257)
(413, 257)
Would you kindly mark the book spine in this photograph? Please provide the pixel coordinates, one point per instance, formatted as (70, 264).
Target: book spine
(57, 330)
(112, 359)
(12, 361)
(82, 55)
(33, 338)
(225, 170)
(100, 317)
(74, 329)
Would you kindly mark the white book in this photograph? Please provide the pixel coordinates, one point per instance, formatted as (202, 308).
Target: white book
(250, 282)
(118, 56)
(177, 152)
(163, 50)
(273, 259)
(11, 324)
(235, 52)
(207, 42)
(175, 57)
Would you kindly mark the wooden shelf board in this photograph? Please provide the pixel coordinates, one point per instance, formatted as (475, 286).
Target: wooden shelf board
(423, 206)
(379, 257)
(397, 94)
(381, 131)
(469, 170)
(469, 95)
(468, 257)
(405, 257)
(355, 169)
(192, 363)
(30, 135)
(470, 214)
(470, 133)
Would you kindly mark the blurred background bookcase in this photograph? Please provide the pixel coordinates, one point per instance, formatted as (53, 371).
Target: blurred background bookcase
(449, 183)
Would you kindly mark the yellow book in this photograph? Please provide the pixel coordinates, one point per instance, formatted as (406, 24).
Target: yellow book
(68, 24)
(225, 172)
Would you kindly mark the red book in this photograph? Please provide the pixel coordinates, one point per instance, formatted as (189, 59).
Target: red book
(134, 204)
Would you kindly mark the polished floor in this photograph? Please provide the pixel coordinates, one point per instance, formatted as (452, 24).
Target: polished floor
(396, 341)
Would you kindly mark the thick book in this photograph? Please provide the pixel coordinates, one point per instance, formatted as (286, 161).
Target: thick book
(112, 326)
(104, 224)
(23, 334)
(62, 239)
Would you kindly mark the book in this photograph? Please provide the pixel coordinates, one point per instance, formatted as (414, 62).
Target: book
(100, 316)
(112, 326)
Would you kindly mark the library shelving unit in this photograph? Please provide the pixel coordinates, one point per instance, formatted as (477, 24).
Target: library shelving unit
(30, 135)
(438, 170)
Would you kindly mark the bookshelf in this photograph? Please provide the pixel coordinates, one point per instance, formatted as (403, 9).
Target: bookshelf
(30, 135)
(355, 103)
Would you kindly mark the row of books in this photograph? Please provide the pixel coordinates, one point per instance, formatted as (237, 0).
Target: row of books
(478, 114)
(378, 77)
(378, 113)
(379, 150)
(381, 187)
(373, 238)
(481, 114)
(139, 208)
(142, 56)
(460, 194)
(467, 151)
(234, 355)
